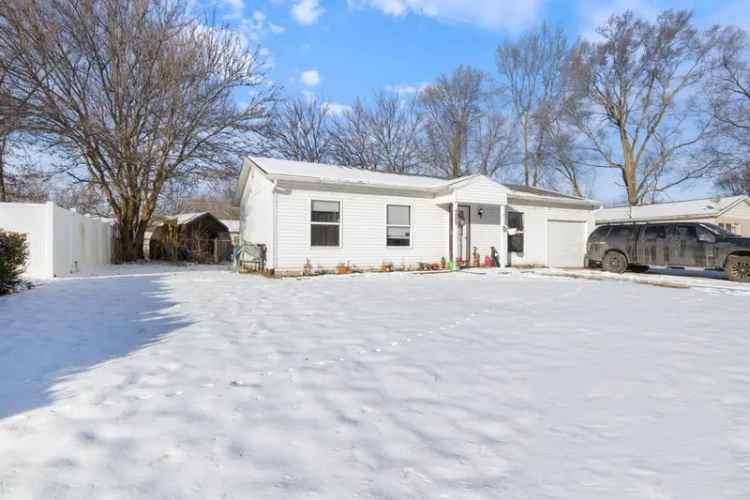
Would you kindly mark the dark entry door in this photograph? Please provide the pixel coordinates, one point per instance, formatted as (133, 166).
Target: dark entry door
(463, 233)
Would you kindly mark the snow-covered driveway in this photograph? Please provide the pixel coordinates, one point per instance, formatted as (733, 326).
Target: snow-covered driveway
(208, 384)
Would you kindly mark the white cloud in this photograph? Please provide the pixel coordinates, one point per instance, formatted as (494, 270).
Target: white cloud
(257, 26)
(594, 14)
(310, 78)
(405, 89)
(307, 11)
(511, 15)
(336, 108)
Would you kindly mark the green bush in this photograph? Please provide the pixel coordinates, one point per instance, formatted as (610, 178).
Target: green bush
(13, 254)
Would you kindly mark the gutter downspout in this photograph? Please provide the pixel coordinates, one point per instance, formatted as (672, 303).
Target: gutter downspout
(275, 226)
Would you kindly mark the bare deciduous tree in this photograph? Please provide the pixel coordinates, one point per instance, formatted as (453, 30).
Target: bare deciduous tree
(729, 88)
(395, 126)
(133, 94)
(382, 136)
(463, 129)
(300, 130)
(352, 142)
(531, 71)
(451, 106)
(493, 145)
(634, 99)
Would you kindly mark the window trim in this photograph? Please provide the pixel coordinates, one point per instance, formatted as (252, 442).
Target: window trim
(410, 226)
(340, 224)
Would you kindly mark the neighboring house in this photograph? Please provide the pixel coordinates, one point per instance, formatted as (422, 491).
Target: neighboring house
(234, 229)
(194, 237)
(731, 213)
(323, 216)
(60, 241)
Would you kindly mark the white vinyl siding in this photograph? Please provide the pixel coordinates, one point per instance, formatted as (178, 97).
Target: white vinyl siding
(537, 241)
(362, 230)
(256, 213)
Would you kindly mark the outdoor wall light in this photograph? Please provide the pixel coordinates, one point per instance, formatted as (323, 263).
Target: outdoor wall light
(480, 212)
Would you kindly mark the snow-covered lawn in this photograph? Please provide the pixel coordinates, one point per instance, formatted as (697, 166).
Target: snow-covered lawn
(208, 384)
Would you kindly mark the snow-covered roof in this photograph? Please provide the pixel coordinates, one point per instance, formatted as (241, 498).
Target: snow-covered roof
(535, 191)
(232, 225)
(187, 218)
(707, 207)
(345, 175)
(334, 174)
(190, 217)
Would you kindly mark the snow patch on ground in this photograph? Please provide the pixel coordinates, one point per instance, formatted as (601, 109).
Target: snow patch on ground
(209, 384)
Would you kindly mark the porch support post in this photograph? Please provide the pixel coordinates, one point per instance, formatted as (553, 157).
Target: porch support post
(451, 226)
(503, 250)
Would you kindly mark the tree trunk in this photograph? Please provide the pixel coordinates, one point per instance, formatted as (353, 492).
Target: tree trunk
(526, 172)
(629, 168)
(131, 239)
(3, 193)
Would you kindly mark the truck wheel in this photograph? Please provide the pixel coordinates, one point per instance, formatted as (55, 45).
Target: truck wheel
(738, 268)
(615, 262)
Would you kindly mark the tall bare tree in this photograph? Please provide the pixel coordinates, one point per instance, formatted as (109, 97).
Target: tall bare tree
(300, 130)
(729, 88)
(459, 108)
(531, 70)
(493, 145)
(395, 126)
(634, 99)
(382, 135)
(133, 94)
(352, 142)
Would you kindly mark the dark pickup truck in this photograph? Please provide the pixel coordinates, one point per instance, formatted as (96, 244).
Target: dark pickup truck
(619, 247)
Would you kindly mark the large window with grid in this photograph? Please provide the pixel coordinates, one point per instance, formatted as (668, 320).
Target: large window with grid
(398, 226)
(325, 223)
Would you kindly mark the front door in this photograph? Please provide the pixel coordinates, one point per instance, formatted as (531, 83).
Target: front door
(463, 233)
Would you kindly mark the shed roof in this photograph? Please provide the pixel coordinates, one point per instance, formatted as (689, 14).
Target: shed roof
(232, 225)
(187, 218)
(706, 207)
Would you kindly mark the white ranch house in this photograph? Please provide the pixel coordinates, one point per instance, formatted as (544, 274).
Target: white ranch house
(330, 215)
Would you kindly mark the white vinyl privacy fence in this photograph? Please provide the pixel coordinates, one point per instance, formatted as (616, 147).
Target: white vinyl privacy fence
(61, 242)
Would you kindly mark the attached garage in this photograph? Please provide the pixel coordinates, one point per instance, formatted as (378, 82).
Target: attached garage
(566, 243)
(550, 229)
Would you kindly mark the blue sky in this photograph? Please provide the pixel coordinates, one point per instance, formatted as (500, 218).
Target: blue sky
(342, 49)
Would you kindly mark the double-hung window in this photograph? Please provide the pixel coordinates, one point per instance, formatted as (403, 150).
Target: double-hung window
(325, 223)
(398, 226)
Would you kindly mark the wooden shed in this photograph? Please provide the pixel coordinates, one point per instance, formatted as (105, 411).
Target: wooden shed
(194, 237)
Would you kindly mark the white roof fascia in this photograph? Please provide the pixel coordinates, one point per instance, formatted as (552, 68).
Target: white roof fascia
(553, 199)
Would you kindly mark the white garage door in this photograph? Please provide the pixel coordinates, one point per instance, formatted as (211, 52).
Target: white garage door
(566, 243)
